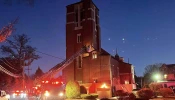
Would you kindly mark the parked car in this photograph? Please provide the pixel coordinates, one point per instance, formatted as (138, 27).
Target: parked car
(172, 87)
(4, 96)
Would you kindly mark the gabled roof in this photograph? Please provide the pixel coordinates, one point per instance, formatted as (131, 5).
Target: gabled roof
(103, 52)
(170, 65)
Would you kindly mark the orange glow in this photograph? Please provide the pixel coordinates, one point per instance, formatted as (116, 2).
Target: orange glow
(104, 86)
(57, 82)
(47, 82)
(165, 76)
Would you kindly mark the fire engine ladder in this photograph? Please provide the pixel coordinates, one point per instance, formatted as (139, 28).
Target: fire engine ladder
(62, 65)
(65, 63)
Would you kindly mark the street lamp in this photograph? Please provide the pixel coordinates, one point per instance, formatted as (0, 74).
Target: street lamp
(157, 77)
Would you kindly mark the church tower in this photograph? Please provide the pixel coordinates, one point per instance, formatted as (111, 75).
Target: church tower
(82, 29)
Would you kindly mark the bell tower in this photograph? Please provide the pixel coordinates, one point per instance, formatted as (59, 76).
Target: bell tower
(82, 29)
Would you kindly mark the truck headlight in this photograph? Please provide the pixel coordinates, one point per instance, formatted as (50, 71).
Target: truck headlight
(61, 94)
(23, 95)
(7, 96)
(46, 94)
(14, 94)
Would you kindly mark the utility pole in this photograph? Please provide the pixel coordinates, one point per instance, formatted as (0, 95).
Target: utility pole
(28, 69)
(20, 64)
(23, 72)
(23, 78)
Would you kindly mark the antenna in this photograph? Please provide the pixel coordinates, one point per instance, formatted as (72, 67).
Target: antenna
(128, 60)
(116, 51)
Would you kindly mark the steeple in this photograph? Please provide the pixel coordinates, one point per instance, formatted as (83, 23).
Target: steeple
(116, 55)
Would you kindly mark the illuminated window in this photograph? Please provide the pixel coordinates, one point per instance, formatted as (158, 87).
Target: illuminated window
(94, 55)
(126, 82)
(165, 76)
(78, 38)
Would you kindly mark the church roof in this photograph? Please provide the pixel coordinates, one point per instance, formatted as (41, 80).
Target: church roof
(104, 52)
(170, 65)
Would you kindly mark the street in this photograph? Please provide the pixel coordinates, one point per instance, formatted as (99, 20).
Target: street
(29, 98)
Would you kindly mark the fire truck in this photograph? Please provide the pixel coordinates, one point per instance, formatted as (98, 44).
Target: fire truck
(53, 89)
(49, 88)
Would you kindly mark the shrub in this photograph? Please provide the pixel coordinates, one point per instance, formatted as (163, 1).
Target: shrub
(155, 86)
(165, 92)
(85, 96)
(83, 90)
(145, 93)
(104, 99)
(132, 96)
(89, 96)
(94, 95)
(119, 93)
(72, 90)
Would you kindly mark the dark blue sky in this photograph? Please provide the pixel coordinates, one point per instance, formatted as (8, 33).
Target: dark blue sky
(141, 30)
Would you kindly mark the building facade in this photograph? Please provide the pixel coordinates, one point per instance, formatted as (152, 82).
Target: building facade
(97, 66)
(168, 71)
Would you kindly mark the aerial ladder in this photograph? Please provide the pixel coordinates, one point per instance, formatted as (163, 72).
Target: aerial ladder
(59, 67)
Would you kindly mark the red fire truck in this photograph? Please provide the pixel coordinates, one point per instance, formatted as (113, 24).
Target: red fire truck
(53, 89)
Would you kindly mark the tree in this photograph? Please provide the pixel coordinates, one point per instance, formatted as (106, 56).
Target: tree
(38, 73)
(6, 80)
(150, 71)
(19, 52)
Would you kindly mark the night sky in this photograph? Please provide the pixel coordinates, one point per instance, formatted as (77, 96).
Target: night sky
(141, 30)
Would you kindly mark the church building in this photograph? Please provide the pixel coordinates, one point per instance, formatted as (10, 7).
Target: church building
(98, 66)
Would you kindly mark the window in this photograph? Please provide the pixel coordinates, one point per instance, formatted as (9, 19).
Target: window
(78, 38)
(94, 17)
(165, 76)
(81, 13)
(94, 55)
(165, 86)
(79, 16)
(76, 17)
(79, 62)
(126, 82)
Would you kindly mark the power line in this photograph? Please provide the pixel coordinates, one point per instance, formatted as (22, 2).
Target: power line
(8, 64)
(8, 72)
(50, 55)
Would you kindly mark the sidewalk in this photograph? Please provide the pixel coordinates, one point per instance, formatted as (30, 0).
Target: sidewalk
(167, 98)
